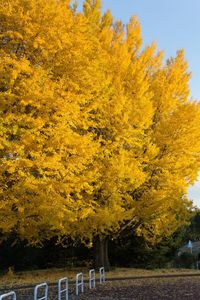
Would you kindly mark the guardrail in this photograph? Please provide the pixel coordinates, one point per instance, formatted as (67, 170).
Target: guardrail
(92, 282)
(101, 275)
(79, 283)
(41, 290)
(8, 295)
(65, 290)
(44, 287)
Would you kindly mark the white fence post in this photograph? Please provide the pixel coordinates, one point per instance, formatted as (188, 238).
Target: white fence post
(8, 295)
(79, 283)
(102, 275)
(65, 290)
(43, 286)
(92, 279)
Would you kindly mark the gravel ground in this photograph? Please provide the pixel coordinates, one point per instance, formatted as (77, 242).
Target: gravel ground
(140, 289)
(148, 289)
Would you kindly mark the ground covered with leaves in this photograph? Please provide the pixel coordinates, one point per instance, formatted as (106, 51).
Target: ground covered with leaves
(148, 289)
(144, 288)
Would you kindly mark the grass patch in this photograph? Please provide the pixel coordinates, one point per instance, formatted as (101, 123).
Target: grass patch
(52, 275)
(132, 272)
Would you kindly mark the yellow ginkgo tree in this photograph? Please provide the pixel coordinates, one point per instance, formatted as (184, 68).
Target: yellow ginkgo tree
(96, 134)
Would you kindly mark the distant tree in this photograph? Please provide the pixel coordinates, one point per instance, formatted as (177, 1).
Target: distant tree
(192, 231)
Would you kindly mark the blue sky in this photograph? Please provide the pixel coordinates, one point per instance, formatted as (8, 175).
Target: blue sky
(173, 24)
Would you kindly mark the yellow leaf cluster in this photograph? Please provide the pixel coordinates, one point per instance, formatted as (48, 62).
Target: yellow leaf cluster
(95, 133)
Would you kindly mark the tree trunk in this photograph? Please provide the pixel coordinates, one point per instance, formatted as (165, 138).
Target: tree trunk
(101, 253)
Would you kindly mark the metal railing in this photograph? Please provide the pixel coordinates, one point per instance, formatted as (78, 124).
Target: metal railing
(38, 287)
(8, 295)
(41, 290)
(92, 282)
(79, 283)
(61, 290)
(101, 275)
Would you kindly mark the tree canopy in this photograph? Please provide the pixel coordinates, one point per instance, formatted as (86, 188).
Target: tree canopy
(96, 132)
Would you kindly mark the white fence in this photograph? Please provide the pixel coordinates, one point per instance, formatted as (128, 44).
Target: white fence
(79, 283)
(64, 290)
(41, 290)
(92, 282)
(41, 287)
(8, 296)
(102, 275)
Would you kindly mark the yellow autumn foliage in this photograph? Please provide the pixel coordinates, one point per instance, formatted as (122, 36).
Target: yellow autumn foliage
(95, 133)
